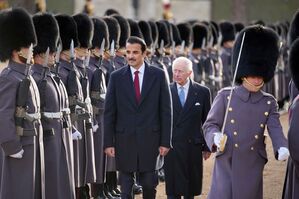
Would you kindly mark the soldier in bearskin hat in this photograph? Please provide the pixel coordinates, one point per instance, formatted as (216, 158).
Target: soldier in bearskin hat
(21, 135)
(70, 76)
(291, 183)
(58, 142)
(243, 157)
(227, 30)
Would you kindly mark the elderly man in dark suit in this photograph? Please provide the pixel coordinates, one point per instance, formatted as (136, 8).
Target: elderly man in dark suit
(191, 104)
(137, 120)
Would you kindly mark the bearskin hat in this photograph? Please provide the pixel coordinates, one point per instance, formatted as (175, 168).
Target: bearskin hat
(113, 29)
(155, 32)
(227, 30)
(110, 12)
(239, 26)
(163, 34)
(200, 32)
(100, 32)
(135, 30)
(47, 33)
(85, 29)
(186, 33)
(176, 35)
(67, 31)
(125, 30)
(259, 54)
(294, 62)
(146, 32)
(16, 31)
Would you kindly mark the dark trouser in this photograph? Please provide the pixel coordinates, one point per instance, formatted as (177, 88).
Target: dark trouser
(148, 181)
(179, 197)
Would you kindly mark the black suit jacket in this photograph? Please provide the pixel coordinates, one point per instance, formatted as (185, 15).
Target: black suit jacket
(137, 130)
(183, 164)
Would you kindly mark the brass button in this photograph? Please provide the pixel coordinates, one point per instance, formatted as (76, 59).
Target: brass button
(252, 148)
(235, 133)
(232, 121)
(256, 137)
(236, 145)
(268, 102)
(266, 113)
(230, 109)
(262, 125)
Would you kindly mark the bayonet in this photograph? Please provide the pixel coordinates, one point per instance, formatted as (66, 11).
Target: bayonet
(112, 49)
(72, 51)
(102, 49)
(29, 58)
(87, 59)
(46, 58)
(57, 56)
(203, 44)
(211, 42)
(182, 49)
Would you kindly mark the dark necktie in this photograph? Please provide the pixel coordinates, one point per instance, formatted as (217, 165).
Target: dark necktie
(136, 86)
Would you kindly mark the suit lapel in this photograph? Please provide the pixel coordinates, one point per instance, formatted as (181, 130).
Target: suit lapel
(129, 86)
(148, 80)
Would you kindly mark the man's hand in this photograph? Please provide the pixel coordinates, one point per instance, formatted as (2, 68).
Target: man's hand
(110, 151)
(206, 155)
(76, 135)
(283, 154)
(163, 150)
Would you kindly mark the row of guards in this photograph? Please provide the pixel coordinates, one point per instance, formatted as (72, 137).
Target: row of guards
(72, 87)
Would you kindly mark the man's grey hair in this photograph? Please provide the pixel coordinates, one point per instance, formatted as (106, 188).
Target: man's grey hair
(183, 60)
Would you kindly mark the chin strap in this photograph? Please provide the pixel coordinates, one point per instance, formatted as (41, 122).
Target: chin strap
(257, 87)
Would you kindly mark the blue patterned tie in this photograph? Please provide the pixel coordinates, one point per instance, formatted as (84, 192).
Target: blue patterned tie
(182, 95)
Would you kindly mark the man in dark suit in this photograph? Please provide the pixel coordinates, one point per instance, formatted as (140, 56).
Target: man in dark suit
(191, 104)
(137, 120)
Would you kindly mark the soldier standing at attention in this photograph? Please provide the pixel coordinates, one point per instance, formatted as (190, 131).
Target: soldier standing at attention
(238, 169)
(59, 174)
(21, 136)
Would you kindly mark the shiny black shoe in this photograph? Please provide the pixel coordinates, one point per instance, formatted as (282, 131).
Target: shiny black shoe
(137, 189)
(114, 194)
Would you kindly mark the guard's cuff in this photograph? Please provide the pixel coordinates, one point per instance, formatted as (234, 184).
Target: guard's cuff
(11, 147)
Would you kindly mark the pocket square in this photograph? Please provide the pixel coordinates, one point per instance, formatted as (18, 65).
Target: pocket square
(197, 104)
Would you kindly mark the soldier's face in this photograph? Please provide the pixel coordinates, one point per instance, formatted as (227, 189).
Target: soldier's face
(253, 83)
(180, 73)
(134, 55)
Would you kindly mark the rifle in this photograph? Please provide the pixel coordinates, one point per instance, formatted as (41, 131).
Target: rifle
(42, 84)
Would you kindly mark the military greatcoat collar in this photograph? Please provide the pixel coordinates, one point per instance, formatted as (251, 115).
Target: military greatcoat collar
(40, 69)
(246, 95)
(21, 68)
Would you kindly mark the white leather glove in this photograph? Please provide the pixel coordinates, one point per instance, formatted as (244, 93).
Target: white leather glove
(95, 128)
(76, 135)
(18, 155)
(217, 139)
(283, 154)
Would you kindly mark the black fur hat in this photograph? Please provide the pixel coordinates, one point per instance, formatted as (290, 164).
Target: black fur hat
(125, 30)
(146, 32)
(227, 31)
(186, 33)
(110, 12)
(100, 32)
(163, 34)
(176, 35)
(169, 30)
(239, 26)
(47, 33)
(294, 28)
(200, 33)
(67, 31)
(155, 32)
(259, 54)
(135, 30)
(214, 31)
(16, 31)
(85, 29)
(294, 62)
(113, 29)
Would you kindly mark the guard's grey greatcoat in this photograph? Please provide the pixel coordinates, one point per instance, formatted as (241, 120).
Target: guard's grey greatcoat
(21, 178)
(183, 164)
(238, 171)
(57, 142)
(137, 130)
(291, 184)
(225, 55)
(78, 145)
(98, 116)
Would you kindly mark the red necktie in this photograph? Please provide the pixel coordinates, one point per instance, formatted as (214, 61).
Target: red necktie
(136, 86)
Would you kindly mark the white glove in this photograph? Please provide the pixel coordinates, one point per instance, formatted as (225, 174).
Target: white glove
(18, 155)
(76, 135)
(217, 139)
(283, 154)
(95, 128)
